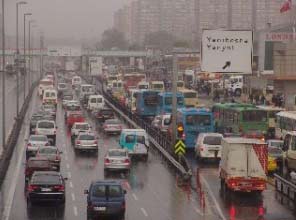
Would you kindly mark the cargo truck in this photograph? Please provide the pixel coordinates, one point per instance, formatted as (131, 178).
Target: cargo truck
(243, 165)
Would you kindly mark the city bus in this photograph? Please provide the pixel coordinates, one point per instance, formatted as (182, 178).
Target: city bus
(146, 103)
(194, 121)
(285, 122)
(271, 115)
(165, 101)
(190, 97)
(157, 86)
(180, 85)
(239, 118)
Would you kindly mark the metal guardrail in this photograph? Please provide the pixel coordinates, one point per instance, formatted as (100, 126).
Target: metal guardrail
(159, 140)
(285, 187)
(13, 136)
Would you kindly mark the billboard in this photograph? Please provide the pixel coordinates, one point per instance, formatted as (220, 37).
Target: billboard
(227, 51)
(95, 65)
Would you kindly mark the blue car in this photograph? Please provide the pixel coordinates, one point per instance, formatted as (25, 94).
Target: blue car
(105, 198)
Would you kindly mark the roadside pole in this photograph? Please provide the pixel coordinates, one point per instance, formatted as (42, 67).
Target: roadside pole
(174, 99)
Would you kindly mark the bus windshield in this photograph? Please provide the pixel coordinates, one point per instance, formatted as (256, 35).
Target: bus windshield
(169, 101)
(201, 120)
(189, 94)
(254, 115)
(158, 86)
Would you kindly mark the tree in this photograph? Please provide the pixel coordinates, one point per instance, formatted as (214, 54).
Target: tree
(160, 39)
(112, 38)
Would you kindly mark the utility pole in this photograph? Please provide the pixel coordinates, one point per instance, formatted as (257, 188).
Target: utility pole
(174, 98)
(3, 78)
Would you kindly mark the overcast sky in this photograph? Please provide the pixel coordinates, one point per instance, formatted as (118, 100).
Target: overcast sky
(65, 18)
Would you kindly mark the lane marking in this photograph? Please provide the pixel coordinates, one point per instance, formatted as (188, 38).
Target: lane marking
(69, 174)
(75, 210)
(213, 198)
(8, 205)
(198, 211)
(67, 165)
(144, 212)
(135, 197)
(66, 157)
(71, 184)
(73, 196)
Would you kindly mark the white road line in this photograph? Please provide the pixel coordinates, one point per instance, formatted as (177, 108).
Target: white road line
(67, 165)
(213, 198)
(75, 210)
(198, 211)
(69, 174)
(8, 204)
(71, 184)
(144, 212)
(135, 197)
(73, 196)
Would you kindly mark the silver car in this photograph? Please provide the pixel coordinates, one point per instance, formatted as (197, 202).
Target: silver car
(112, 126)
(86, 141)
(33, 144)
(52, 154)
(117, 159)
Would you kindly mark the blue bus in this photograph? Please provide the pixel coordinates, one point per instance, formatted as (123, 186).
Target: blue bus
(146, 103)
(195, 121)
(165, 101)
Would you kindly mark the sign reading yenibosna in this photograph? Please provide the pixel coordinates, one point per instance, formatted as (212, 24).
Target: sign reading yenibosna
(227, 51)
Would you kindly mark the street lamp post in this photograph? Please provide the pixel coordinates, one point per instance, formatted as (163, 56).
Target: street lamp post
(17, 57)
(25, 72)
(3, 77)
(29, 53)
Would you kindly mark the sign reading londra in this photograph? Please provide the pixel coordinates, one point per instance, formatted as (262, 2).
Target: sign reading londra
(226, 51)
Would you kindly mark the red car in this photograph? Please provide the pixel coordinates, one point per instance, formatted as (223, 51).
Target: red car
(74, 117)
(37, 164)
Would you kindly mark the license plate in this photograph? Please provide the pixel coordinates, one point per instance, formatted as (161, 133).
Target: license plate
(115, 161)
(246, 184)
(45, 189)
(100, 208)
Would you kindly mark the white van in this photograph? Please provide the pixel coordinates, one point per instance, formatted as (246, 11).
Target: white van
(76, 81)
(157, 86)
(143, 85)
(50, 96)
(95, 102)
(86, 90)
(44, 84)
(208, 145)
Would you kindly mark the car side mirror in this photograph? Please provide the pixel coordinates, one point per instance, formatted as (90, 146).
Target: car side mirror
(65, 178)
(285, 147)
(85, 191)
(124, 191)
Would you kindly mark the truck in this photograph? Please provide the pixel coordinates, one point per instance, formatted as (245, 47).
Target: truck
(235, 85)
(243, 165)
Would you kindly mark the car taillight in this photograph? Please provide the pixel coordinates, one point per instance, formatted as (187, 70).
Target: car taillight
(29, 145)
(95, 142)
(127, 161)
(32, 188)
(60, 188)
(78, 142)
(106, 161)
(183, 136)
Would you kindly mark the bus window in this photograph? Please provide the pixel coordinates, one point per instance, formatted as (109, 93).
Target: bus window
(201, 120)
(259, 116)
(150, 99)
(130, 139)
(169, 101)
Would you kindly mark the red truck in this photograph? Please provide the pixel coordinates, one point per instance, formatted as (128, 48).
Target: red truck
(243, 165)
(74, 117)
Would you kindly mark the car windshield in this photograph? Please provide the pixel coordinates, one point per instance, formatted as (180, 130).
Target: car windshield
(38, 138)
(212, 140)
(62, 86)
(274, 151)
(46, 178)
(46, 124)
(115, 153)
(47, 151)
(86, 137)
(67, 97)
(82, 126)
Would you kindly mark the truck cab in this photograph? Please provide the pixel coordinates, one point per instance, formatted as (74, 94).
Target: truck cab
(235, 85)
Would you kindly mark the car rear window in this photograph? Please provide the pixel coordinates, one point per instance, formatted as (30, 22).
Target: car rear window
(86, 137)
(212, 140)
(115, 191)
(99, 191)
(46, 178)
(38, 138)
(107, 112)
(82, 126)
(117, 153)
(38, 163)
(48, 151)
(68, 97)
(45, 124)
(112, 122)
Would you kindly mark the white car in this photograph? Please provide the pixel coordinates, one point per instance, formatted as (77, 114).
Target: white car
(95, 102)
(48, 128)
(86, 142)
(208, 145)
(33, 144)
(79, 127)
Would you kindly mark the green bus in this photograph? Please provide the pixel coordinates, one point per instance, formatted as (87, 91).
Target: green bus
(240, 118)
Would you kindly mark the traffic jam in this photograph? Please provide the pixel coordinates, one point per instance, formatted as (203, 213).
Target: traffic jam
(222, 135)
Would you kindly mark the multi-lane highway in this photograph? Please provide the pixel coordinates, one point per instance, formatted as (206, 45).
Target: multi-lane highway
(152, 191)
